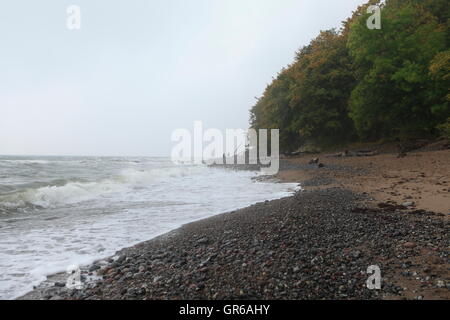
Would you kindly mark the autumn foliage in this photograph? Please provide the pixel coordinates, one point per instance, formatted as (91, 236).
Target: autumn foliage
(365, 84)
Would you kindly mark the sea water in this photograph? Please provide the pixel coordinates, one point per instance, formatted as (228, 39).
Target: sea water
(60, 211)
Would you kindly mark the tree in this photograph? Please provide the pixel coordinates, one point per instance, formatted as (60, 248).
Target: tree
(387, 83)
(272, 110)
(395, 94)
(323, 82)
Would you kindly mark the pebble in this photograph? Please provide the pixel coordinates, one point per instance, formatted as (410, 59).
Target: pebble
(94, 267)
(312, 249)
(408, 204)
(409, 245)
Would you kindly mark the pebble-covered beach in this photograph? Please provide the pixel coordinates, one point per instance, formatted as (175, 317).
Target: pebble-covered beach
(317, 244)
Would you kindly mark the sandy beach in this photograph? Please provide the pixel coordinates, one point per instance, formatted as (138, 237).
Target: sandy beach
(421, 177)
(352, 213)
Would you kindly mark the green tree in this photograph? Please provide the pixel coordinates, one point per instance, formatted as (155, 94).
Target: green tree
(396, 95)
(392, 82)
(272, 110)
(319, 96)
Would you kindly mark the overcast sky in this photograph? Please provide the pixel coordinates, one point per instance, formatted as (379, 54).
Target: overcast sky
(138, 69)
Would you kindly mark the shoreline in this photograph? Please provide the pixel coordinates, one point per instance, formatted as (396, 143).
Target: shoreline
(315, 244)
(56, 280)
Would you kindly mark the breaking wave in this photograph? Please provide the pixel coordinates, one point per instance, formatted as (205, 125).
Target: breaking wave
(73, 192)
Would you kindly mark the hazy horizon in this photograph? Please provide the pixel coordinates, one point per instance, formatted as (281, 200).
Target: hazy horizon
(136, 71)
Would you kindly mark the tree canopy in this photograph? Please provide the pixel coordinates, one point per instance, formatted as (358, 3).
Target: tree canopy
(366, 84)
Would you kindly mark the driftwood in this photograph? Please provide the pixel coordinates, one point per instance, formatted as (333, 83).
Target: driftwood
(298, 153)
(361, 153)
(367, 154)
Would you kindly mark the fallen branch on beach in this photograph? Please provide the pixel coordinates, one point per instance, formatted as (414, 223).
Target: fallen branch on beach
(361, 153)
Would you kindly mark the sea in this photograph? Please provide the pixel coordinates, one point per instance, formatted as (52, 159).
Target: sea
(56, 212)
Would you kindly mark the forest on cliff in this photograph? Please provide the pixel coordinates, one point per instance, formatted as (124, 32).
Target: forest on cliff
(365, 84)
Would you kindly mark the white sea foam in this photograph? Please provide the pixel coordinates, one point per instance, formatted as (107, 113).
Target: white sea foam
(97, 206)
(24, 161)
(74, 192)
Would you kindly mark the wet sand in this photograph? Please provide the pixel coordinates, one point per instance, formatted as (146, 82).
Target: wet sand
(316, 244)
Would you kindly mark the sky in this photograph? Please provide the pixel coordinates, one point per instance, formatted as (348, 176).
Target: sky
(137, 70)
